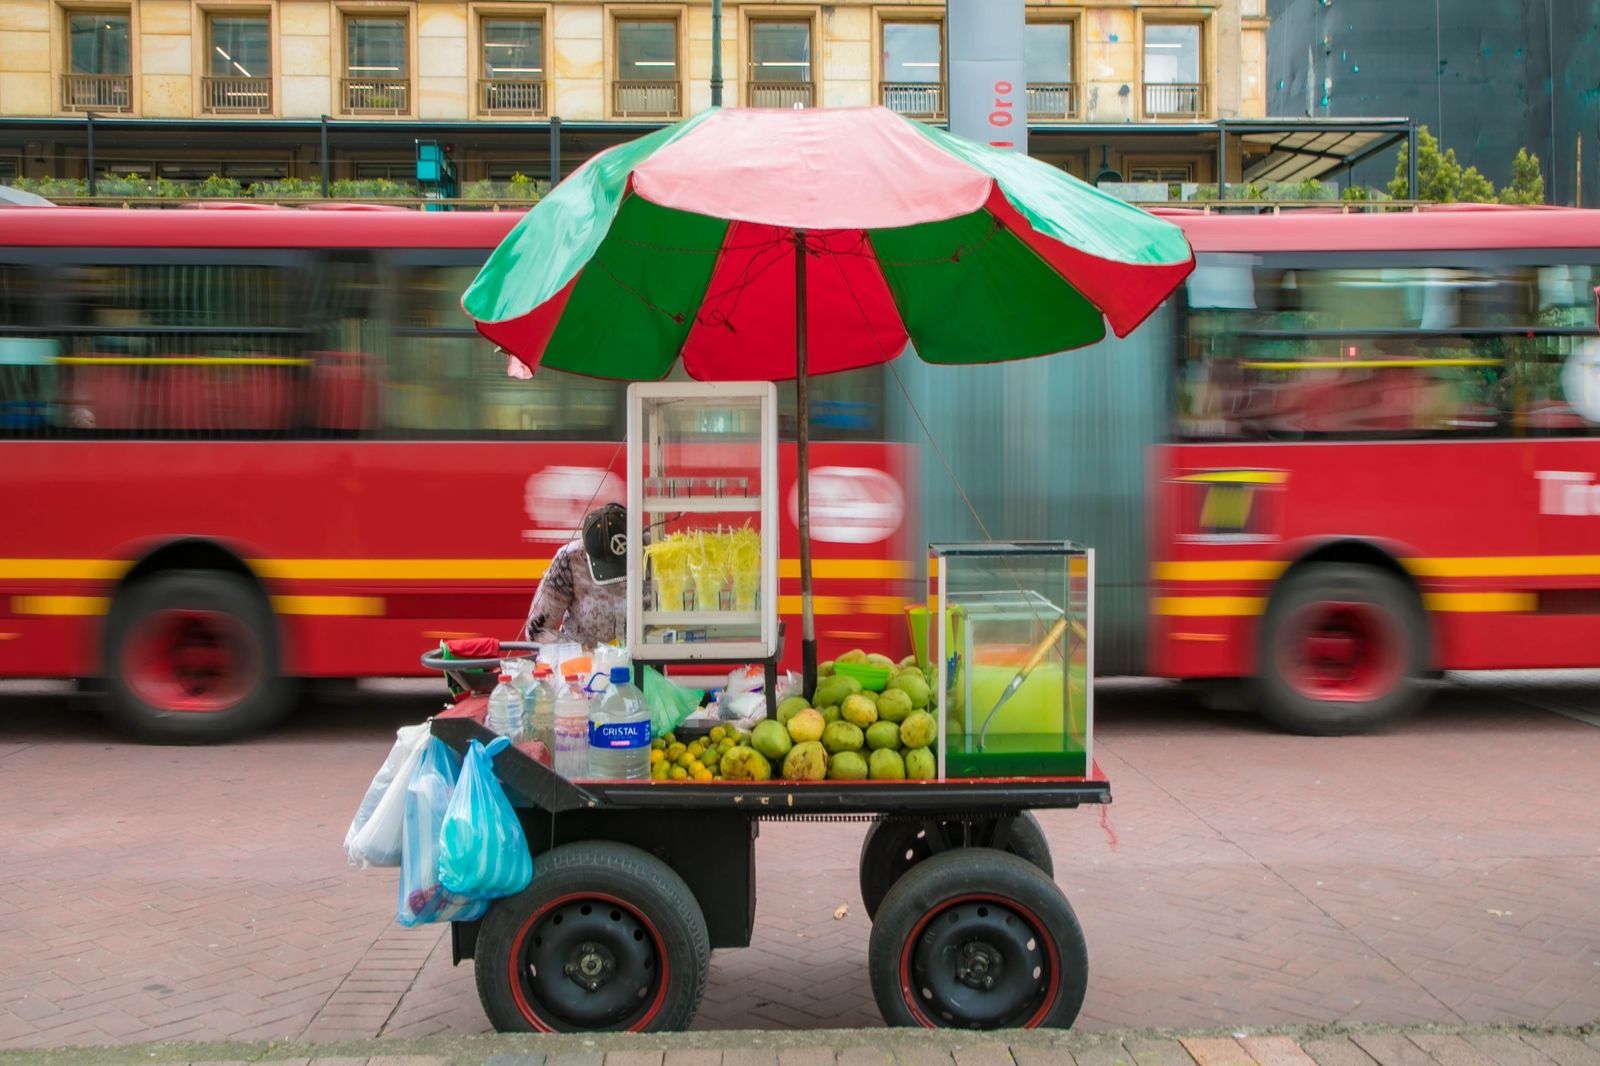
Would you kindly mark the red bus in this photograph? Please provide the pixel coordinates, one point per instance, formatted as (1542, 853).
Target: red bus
(1384, 461)
(247, 446)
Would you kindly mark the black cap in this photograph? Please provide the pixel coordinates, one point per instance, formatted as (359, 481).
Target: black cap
(605, 539)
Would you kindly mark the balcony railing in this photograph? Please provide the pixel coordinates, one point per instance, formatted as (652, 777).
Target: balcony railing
(1047, 100)
(236, 96)
(914, 99)
(1175, 101)
(97, 92)
(780, 94)
(503, 96)
(376, 96)
(645, 99)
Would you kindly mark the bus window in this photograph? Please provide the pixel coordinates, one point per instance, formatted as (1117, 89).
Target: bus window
(27, 353)
(444, 379)
(179, 347)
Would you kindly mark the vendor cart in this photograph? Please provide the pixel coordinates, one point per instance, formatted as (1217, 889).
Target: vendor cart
(636, 882)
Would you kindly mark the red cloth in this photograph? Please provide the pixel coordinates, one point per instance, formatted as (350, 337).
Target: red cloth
(474, 648)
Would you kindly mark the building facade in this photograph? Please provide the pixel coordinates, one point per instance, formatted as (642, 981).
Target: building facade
(243, 88)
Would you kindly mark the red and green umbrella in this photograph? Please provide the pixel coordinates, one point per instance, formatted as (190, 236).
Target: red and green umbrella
(682, 244)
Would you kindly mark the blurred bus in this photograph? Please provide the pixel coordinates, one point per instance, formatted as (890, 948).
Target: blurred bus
(250, 445)
(1353, 451)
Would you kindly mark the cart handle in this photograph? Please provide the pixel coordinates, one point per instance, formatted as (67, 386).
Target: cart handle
(434, 661)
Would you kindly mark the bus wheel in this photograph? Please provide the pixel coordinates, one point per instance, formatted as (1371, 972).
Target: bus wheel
(893, 846)
(606, 937)
(192, 658)
(1343, 650)
(977, 939)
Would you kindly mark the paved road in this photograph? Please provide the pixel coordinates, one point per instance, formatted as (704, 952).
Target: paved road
(1446, 872)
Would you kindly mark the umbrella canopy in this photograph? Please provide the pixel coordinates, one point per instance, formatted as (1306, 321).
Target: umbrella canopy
(766, 245)
(682, 244)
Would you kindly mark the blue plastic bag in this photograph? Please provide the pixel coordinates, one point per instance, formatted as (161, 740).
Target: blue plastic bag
(483, 853)
(422, 897)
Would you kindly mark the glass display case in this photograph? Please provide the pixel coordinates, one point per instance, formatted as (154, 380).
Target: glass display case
(1014, 661)
(702, 521)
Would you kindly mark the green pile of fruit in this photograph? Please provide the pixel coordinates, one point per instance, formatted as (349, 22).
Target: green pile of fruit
(845, 733)
(700, 759)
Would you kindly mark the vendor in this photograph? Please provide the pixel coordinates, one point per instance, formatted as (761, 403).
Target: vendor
(583, 596)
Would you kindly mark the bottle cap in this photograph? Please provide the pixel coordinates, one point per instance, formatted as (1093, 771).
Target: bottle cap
(505, 677)
(619, 675)
(542, 670)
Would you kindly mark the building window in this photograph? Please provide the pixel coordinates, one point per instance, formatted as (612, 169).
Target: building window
(647, 68)
(1048, 52)
(1172, 62)
(913, 68)
(513, 66)
(780, 64)
(1165, 173)
(377, 70)
(238, 78)
(99, 62)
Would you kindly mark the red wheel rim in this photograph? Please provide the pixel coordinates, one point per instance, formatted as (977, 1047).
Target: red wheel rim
(1338, 651)
(190, 661)
(913, 998)
(519, 951)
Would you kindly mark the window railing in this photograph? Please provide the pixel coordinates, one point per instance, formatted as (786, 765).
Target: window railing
(645, 99)
(97, 92)
(1174, 100)
(502, 96)
(1049, 100)
(236, 96)
(914, 99)
(780, 94)
(376, 96)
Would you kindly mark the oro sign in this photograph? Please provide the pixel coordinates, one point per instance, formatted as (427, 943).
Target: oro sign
(988, 72)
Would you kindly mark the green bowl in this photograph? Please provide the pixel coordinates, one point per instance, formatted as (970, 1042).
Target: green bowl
(872, 678)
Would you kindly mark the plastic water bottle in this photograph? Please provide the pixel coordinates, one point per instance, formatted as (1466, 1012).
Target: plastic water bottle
(619, 732)
(541, 705)
(521, 671)
(570, 725)
(505, 709)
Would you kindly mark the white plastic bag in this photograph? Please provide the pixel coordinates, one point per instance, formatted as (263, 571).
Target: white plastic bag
(374, 837)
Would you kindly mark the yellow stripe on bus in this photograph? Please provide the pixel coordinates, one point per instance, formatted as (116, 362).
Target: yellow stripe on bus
(1480, 602)
(330, 606)
(860, 569)
(1238, 477)
(1219, 570)
(1506, 566)
(179, 360)
(1364, 364)
(64, 569)
(408, 569)
(1209, 606)
(75, 606)
(836, 605)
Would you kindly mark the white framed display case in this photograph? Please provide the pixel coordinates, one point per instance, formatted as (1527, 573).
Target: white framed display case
(702, 521)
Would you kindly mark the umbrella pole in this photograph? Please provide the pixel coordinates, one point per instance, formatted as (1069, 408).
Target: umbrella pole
(808, 624)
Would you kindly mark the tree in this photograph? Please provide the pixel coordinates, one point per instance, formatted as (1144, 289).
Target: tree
(1439, 177)
(1527, 180)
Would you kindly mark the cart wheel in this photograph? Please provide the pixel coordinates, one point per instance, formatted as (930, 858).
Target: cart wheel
(977, 939)
(892, 847)
(605, 938)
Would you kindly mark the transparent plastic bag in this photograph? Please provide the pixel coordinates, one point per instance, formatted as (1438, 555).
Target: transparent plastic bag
(483, 853)
(375, 834)
(422, 897)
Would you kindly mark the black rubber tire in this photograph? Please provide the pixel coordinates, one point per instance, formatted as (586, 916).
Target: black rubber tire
(1383, 592)
(914, 977)
(893, 846)
(568, 875)
(260, 705)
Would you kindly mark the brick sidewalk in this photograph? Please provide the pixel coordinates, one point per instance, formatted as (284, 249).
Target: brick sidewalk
(1444, 873)
(1363, 1046)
